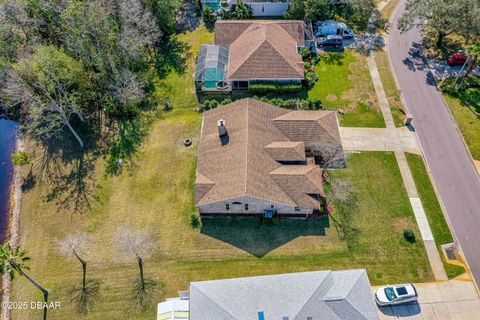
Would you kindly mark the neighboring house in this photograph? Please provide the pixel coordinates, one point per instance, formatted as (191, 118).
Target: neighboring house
(247, 51)
(260, 8)
(318, 295)
(253, 157)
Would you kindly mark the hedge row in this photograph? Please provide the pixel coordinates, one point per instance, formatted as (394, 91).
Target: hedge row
(278, 88)
(293, 104)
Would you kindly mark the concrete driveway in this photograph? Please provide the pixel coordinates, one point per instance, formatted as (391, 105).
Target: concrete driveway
(454, 299)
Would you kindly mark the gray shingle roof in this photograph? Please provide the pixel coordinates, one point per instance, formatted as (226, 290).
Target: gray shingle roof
(321, 295)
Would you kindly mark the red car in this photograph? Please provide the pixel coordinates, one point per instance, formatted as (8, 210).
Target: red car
(457, 59)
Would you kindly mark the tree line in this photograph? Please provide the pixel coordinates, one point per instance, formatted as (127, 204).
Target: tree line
(354, 12)
(66, 64)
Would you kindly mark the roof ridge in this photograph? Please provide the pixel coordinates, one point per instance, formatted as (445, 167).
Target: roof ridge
(217, 304)
(315, 291)
(327, 129)
(247, 56)
(276, 50)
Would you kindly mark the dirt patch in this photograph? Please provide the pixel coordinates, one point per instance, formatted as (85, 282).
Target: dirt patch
(331, 97)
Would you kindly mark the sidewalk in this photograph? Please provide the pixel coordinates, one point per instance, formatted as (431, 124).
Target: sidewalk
(420, 217)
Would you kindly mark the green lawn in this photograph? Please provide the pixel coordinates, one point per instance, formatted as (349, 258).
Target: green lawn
(390, 86)
(434, 213)
(344, 82)
(465, 107)
(156, 194)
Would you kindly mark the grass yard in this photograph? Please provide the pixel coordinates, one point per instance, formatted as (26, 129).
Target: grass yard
(390, 86)
(465, 107)
(389, 9)
(156, 194)
(434, 213)
(344, 82)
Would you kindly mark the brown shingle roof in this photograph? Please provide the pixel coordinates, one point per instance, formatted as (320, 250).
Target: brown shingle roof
(286, 150)
(312, 127)
(244, 166)
(262, 49)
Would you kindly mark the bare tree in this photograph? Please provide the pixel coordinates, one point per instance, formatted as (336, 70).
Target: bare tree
(140, 244)
(331, 155)
(341, 190)
(75, 245)
(138, 27)
(44, 85)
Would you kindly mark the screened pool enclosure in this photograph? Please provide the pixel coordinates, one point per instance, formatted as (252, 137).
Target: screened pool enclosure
(212, 68)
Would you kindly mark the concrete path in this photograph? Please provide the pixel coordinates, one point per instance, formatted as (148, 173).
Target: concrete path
(379, 139)
(446, 155)
(396, 141)
(454, 299)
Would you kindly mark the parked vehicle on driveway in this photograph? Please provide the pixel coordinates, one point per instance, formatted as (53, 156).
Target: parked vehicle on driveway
(457, 59)
(330, 41)
(395, 294)
(333, 28)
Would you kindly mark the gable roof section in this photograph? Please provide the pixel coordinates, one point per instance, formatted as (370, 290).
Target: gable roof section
(299, 182)
(287, 151)
(333, 295)
(264, 51)
(312, 127)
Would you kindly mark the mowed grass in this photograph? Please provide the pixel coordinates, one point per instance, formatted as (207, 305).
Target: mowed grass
(344, 82)
(156, 194)
(433, 210)
(465, 108)
(390, 86)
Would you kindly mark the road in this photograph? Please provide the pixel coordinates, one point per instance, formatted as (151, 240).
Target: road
(447, 158)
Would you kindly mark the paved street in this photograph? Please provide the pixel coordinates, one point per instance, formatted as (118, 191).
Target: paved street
(453, 172)
(444, 300)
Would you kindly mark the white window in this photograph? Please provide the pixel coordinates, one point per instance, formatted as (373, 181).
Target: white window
(227, 206)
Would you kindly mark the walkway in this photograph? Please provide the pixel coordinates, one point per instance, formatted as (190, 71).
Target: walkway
(396, 140)
(454, 299)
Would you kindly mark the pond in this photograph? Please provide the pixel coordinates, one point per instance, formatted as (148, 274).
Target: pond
(8, 130)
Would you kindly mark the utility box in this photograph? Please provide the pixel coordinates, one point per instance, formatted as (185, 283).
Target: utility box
(408, 121)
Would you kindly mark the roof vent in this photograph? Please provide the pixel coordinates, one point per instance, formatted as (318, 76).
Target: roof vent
(222, 128)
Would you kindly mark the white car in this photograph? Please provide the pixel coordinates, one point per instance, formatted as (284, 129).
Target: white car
(396, 294)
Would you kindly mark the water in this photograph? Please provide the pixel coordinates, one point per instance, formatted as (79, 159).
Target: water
(8, 131)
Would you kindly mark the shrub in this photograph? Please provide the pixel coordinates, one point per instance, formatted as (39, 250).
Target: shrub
(209, 16)
(195, 220)
(310, 79)
(20, 158)
(272, 87)
(305, 53)
(409, 235)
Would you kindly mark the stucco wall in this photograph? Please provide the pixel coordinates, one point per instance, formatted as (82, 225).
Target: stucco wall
(255, 206)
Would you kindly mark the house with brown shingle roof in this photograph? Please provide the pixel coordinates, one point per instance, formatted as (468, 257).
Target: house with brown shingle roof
(246, 51)
(254, 156)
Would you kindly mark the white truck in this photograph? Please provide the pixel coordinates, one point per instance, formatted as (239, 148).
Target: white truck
(333, 28)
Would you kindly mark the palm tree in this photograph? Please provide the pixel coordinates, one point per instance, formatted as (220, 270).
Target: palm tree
(13, 261)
